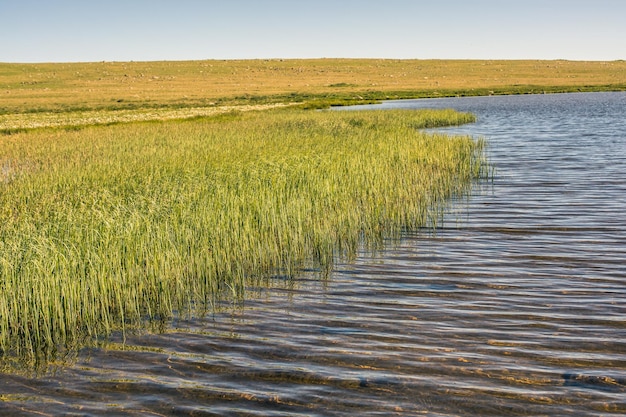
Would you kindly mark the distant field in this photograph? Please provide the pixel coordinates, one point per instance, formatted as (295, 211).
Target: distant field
(130, 85)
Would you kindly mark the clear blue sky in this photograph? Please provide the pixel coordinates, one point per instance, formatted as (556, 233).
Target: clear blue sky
(145, 30)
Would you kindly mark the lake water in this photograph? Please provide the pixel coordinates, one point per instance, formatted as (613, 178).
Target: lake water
(516, 306)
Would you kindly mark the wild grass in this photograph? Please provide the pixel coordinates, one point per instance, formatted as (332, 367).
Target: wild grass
(14, 123)
(112, 227)
(27, 88)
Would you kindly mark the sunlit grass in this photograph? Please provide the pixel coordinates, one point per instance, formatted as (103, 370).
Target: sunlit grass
(16, 122)
(131, 85)
(110, 227)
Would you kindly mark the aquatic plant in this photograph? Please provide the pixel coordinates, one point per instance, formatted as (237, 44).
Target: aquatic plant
(111, 227)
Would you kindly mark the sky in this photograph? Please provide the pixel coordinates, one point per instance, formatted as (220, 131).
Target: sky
(150, 30)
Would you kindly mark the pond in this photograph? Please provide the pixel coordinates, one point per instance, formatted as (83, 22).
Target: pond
(515, 306)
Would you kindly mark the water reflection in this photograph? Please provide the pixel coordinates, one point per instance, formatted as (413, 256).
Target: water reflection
(515, 306)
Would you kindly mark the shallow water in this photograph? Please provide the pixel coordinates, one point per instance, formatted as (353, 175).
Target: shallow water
(516, 306)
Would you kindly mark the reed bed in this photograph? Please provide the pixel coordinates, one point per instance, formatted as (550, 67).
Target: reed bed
(112, 227)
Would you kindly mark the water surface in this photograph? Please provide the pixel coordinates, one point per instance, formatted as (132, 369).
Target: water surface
(516, 306)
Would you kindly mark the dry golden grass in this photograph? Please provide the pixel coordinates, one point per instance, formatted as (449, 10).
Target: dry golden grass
(108, 85)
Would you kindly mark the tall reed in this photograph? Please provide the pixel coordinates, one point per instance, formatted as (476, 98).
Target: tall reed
(108, 228)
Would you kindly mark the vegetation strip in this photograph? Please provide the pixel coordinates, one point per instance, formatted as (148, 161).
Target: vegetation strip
(112, 227)
(62, 87)
(13, 123)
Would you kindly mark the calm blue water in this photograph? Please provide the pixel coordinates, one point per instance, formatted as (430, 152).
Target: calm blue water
(517, 306)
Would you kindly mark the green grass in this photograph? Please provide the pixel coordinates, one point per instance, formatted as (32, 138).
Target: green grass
(108, 228)
(21, 122)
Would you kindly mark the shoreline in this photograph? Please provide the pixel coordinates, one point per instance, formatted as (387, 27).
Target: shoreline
(13, 123)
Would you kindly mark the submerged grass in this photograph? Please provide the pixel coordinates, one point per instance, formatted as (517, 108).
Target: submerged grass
(111, 227)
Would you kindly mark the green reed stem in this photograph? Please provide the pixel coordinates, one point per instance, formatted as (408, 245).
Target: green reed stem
(107, 228)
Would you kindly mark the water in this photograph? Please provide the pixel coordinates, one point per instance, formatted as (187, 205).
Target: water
(517, 306)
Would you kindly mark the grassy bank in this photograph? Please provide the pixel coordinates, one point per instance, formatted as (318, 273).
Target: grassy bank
(110, 227)
(132, 85)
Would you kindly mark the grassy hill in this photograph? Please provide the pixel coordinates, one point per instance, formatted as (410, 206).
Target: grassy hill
(129, 85)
